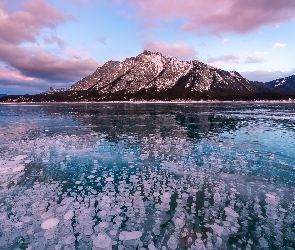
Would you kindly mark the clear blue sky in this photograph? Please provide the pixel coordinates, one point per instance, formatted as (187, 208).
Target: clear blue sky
(55, 43)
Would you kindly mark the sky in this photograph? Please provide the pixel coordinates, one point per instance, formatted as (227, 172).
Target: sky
(54, 43)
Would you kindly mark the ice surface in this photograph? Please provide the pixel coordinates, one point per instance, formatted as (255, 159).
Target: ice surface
(148, 176)
(109, 179)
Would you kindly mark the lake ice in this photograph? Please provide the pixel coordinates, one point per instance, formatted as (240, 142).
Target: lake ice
(147, 176)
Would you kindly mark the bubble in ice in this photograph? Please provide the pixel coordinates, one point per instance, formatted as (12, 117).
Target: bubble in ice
(50, 223)
(105, 202)
(172, 242)
(125, 235)
(151, 247)
(69, 240)
(102, 240)
(179, 222)
(88, 230)
(113, 232)
(230, 212)
(156, 194)
(61, 209)
(19, 168)
(26, 219)
(166, 195)
(217, 229)
(271, 199)
(20, 157)
(103, 225)
(199, 244)
(69, 215)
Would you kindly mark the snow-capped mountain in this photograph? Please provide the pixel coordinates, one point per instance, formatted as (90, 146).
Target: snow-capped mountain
(151, 72)
(153, 76)
(284, 85)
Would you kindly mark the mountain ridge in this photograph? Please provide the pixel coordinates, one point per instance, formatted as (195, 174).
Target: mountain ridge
(153, 76)
(152, 70)
(283, 85)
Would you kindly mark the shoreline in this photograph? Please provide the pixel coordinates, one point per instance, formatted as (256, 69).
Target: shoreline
(151, 102)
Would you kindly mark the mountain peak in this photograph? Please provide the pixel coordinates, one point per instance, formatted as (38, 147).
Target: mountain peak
(148, 52)
(151, 72)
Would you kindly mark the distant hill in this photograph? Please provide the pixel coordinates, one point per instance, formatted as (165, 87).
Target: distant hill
(284, 85)
(153, 76)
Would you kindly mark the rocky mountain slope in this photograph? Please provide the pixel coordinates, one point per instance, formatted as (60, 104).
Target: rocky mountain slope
(283, 85)
(155, 73)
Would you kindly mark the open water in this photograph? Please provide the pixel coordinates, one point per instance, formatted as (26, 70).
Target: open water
(147, 176)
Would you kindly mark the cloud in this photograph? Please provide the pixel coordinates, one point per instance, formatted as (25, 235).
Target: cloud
(225, 58)
(225, 40)
(259, 53)
(26, 62)
(217, 16)
(252, 59)
(235, 59)
(102, 40)
(15, 85)
(26, 24)
(279, 45)
(265, 76)
(54, 39)
(37, 63)
(180, 51)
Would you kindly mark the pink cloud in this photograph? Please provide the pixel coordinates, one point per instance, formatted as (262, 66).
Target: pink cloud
(225, 58)
(29, 65)
(26, 24)
(54, 39)
(13, 84)
(265, 75)
(39, 64)
(181, 51)
(9, 74)
(217, 16)
(231, 59)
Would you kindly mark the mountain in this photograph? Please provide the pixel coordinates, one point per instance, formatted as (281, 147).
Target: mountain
(283, 85)
(153, 76)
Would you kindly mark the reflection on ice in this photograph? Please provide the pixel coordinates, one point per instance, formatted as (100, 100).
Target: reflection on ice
(183, 181)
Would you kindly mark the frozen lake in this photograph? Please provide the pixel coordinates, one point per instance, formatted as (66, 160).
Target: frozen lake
(147, 176)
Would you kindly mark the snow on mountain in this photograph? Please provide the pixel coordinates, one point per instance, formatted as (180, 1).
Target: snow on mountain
(153, 72)
(284, 85)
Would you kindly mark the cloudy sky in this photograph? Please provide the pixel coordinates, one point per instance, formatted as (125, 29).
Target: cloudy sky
(55, 43)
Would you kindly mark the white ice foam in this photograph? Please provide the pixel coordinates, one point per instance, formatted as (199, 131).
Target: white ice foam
(69, 215)
(102, 240)
(124, 235)
(50, 223)
(19, 168)
(217, 229)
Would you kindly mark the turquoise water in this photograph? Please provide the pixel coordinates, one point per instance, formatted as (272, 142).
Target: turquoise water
(147, 176)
